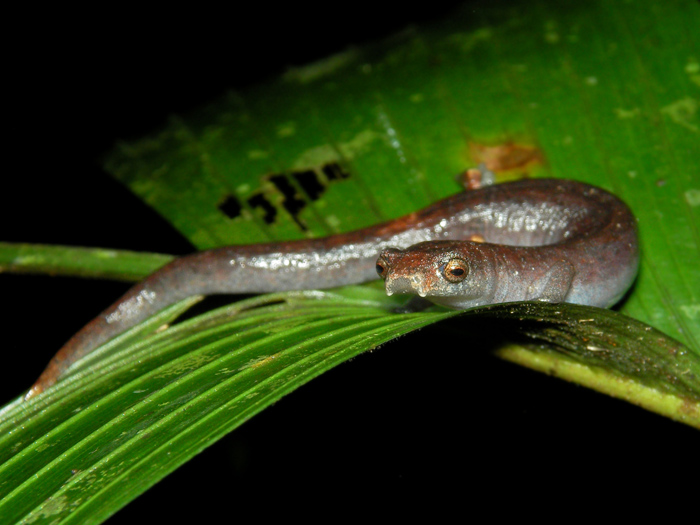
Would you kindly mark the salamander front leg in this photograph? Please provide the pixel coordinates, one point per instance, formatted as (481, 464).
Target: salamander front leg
(555, 285)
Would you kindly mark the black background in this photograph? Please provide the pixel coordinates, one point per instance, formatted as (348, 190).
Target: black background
(361, 437)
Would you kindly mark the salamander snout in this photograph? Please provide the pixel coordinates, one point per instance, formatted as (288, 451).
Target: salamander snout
(402, 273)
(415, 270)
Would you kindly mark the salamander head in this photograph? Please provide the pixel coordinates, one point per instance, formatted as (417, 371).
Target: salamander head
(455, 274)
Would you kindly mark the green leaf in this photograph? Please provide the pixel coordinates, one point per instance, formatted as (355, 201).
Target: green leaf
(159, 401)
(620, 356)
(142, 405)
(606, 91)
(80, 262)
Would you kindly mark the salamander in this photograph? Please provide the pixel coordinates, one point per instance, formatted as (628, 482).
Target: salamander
(538, 239)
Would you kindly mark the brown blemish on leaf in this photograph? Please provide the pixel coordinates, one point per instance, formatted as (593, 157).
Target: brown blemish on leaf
(689, 407)
(259, 361)
(506, 157)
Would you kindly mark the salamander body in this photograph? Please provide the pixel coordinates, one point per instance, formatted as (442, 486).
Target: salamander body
(539, 239)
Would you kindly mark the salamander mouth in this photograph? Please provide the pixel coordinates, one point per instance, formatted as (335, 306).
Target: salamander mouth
(414, 284)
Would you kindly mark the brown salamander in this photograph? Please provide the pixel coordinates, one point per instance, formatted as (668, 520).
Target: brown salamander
(544, 239)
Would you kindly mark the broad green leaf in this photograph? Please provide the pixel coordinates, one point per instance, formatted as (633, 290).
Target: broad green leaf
(154, 402)
(607, 91)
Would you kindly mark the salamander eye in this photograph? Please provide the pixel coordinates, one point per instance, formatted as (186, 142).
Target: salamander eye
(456, 270)
(381, 267)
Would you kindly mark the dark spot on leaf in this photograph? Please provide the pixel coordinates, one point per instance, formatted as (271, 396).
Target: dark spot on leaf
(230, 207)
(308, 180)
(259, 201)
(298, 189)
(334, 171)
(292, 203)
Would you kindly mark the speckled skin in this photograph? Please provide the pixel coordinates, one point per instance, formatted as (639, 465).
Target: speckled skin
(568, 241)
